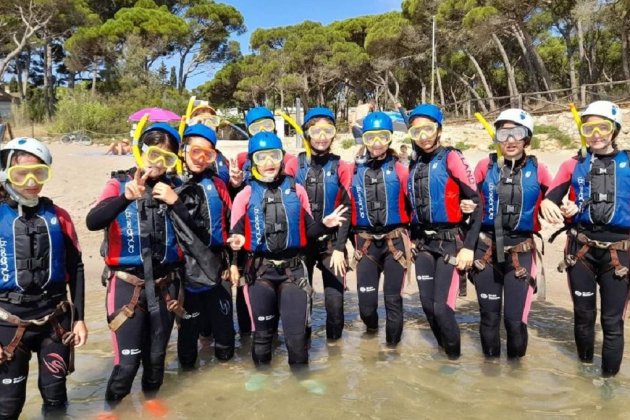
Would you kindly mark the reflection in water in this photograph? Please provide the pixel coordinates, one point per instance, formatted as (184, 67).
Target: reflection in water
(358, 376)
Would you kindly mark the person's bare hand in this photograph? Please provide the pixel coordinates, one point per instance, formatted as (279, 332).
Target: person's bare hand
(135, 188)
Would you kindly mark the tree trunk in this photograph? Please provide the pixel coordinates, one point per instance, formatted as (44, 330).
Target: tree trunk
(94, 74)
(484, 82)
(508, 69)
(582, 51)
(625, 48)
(575, 87)
(49, 89)
(529, 68)
(536, 58)
(456, 108)
(440, 89)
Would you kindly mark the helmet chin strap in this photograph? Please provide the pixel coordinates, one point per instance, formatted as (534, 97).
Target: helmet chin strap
(18, 198)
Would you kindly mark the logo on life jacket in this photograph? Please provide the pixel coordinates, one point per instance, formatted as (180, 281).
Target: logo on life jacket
(131, 246)
(258, 224)
(4, 264)
(491, 189)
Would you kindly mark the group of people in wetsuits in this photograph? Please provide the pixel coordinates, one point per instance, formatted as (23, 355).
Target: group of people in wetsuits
(175, 244)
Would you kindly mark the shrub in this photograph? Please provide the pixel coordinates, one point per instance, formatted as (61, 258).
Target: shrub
(562, 139)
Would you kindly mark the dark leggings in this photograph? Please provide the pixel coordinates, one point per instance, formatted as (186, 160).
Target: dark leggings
(140, 339)
(210, 307)
(272, 295)
(319, 254)
(379, 260)
(53, 360)
(497, 286)
(583, 280)
(438, 283)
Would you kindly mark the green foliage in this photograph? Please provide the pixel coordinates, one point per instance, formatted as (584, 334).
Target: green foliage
(461, 145)
(553, 133)
(347, 143)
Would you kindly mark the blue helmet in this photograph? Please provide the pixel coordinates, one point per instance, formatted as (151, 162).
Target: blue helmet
(264, 141)
(319, 112)
(201, 130)
(257, 113)
(427, 110)
(378, 120)
(166, 128)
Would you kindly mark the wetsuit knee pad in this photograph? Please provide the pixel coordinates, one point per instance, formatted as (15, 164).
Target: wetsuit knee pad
(11, 407)
(120, 382)
(585, 317)
(490, 319)
(261, 346)
(297, 349)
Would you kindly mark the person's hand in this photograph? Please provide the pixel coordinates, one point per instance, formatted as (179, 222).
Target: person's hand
(338, 263)
(551, 212)
(236, 175)
(164, 193)
(464, 259)
(236, 242)
(235, 276)
(135, 188)
(2, 356)
(569, 209)
(467, 206)
(80, 333)
(335, 218)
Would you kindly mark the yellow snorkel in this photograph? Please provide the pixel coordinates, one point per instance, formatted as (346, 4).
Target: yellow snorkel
(490, 131)
(578, 122)
(189, 108)
(298, 130)
(137, 153)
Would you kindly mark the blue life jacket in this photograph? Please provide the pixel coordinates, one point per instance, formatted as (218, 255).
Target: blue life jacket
(378, 199)
(216, 223)
(32, 252)
(321, 185)
(122, 244)
(274, 220)
(602, 191)
(247, 171)
(516, 193)
(434, 194)
(221, 167)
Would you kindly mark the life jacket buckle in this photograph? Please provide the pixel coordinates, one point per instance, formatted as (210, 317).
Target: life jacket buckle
(621, 271)
(520, 272)
(479, 264)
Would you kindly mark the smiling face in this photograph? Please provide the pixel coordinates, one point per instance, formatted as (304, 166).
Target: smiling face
(199, 154)
(600, 141)
(321, 132)
(31, 189)
(425, 133)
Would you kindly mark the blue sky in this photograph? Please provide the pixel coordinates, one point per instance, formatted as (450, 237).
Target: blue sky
(273, 13)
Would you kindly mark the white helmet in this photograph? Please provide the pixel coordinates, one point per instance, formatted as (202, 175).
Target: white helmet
(517, 116)
(606, 109)
(25, 144)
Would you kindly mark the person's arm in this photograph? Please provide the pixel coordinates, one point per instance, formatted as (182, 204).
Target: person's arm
(403, 112)
(544, 178)
(313, 229)
(74, 262)
(481, 171)
(403, 176)
(239, 210)
(560, 185)
(109, 205)
(460, 172)
(343, 198)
